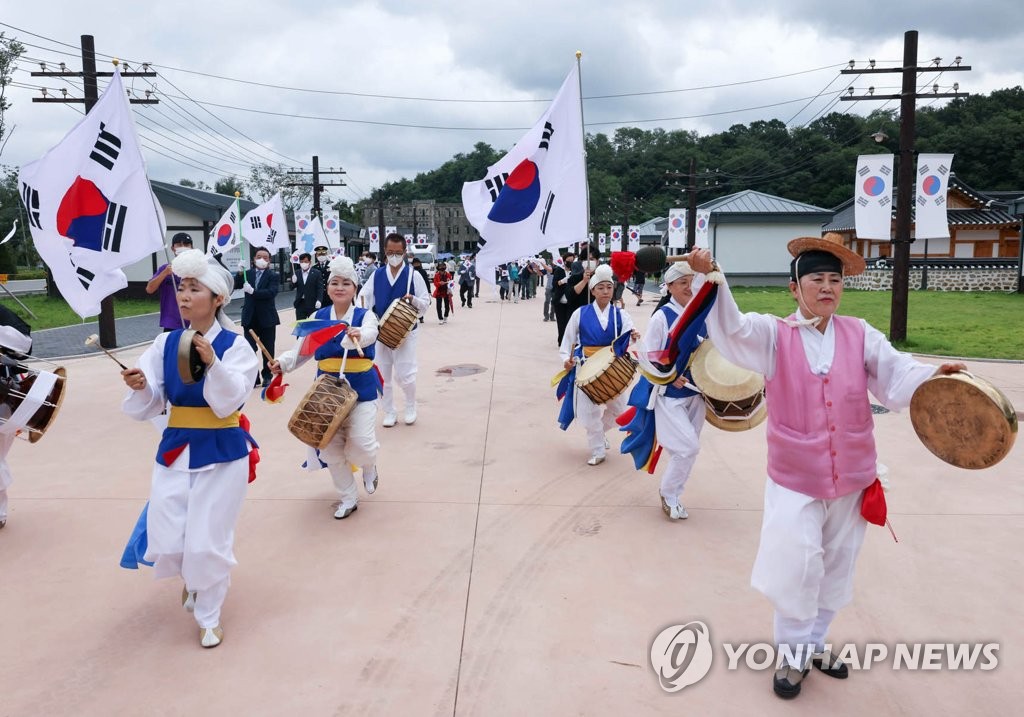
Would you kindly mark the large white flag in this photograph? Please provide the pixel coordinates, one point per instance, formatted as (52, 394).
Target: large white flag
(265, 225)
(932, 182)
(309, 233)
(873, 196)
(226, 234)
(703, 224)
(537, 193)
(677, 228)
(90, 205)
(633, 243)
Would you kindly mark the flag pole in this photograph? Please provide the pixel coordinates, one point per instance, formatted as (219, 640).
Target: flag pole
(583, 132)
(241, 244)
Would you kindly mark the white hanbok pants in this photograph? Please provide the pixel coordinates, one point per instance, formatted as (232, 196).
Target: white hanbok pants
(597, 419)
(6, 441)
(678, 424)
(355, 444)
(398, 366)
(191, 529)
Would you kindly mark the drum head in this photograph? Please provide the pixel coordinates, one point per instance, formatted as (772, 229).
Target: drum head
(56, 399)
(191, 368)
(964, 420)
(595, 365)
(720, 379)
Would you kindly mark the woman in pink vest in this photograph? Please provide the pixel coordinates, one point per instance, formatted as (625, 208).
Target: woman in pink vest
(818, 368)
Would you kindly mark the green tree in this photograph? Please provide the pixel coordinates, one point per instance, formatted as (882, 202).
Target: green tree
(229, 186)
(195, 184)
(266, 180)
(10, 51)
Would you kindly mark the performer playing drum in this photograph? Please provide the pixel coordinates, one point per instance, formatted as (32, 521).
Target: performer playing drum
(14, 334)
(397, 281)
(822, 471)
(678, 410)
(355, 442)
(202, 464)
(591, 328)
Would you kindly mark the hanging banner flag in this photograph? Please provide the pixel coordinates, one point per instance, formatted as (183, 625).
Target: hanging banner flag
(374, 239)
(634, 238)
(602, 242)
(677, 228)
(332, 228)
(90, 206)
(932, 183)
(408, 242)
(421, 238)
(615, 237)
(390, 230)
(264, 226)
(702, 236)
(873, 196)
(538, 190)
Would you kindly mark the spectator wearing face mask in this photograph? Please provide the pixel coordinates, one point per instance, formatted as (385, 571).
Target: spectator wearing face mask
(166, 283)
(308, 287)
(259, 312)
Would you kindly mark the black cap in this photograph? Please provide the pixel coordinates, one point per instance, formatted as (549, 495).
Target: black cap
(181, 238)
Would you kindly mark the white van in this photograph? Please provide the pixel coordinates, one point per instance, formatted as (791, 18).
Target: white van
(427, 254)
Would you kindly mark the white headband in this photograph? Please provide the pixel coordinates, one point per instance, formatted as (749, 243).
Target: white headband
(677, 271)
(601, 274)
(342, 266)
(194, 264)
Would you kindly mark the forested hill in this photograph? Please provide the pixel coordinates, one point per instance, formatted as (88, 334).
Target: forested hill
(813, 164)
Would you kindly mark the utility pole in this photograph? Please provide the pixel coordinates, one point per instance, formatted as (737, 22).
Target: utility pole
(691, 210)
(108, 332)
(905, 174)
(316, 184)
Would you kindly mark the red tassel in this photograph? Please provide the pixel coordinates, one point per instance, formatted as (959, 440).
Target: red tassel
(654, 461)
(873, 507)
(254, 453)
(627, 416)
(623, 263)
(172, 455)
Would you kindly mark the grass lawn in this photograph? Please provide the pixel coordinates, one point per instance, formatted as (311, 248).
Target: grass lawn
(975, 324)
(55, 312)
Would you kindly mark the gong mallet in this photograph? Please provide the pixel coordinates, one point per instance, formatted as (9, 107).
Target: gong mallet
(94, 340)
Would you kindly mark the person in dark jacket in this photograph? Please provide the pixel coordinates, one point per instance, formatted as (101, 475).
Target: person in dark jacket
(308, 288)
(259, 310)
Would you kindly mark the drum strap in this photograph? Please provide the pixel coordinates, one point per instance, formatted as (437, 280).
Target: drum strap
(589, 351)
(200, 417)
(334, 365)
(33, 400)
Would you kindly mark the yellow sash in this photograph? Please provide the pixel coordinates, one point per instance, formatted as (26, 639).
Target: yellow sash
(353, 365)
(199, 417)
(589, 351)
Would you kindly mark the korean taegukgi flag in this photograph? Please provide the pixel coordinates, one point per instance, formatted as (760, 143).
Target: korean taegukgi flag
(633, 243)
(309, 233)
(90, 206)
(677, 228)
(615, 237)
(265, 225)
(226, 234)
(374, 239)
(703, 223)
(932, 182)
(872, 192)
(537, 193)
(332, 227)
(602, 243)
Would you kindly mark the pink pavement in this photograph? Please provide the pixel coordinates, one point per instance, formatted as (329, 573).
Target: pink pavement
(492, 573)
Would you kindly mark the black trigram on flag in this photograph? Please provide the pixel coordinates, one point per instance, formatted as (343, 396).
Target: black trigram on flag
(863, 171)
(547, 210)
(114, 227)
(106, 149)
(921, 201)
(884, 202)
(922, 170)
(85, 276)
(885, 169)
(861, 201)
(30, 198)
(940, 200)
(546, 137)
(256, 222)
(943, 170)
(495, 184)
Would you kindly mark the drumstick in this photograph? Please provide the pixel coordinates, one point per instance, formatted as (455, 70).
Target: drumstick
(94, 340)
(260, 344)
(358, 347)
(686, 258)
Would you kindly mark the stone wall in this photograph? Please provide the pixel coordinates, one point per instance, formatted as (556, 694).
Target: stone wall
(951, 279)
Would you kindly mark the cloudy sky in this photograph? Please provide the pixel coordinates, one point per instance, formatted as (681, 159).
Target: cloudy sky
(395, 87)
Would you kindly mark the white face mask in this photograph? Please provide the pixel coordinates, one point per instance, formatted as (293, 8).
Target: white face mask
(261, 263)
(179, 249)
(396, 261)
(304, 266)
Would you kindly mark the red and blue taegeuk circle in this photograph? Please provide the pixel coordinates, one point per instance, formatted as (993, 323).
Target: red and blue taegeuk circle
(331, 224)
(874, 185)
(677, 222)
(224, 235)
(519, 196)
(931, 185)
(701, 223)
(82, 214)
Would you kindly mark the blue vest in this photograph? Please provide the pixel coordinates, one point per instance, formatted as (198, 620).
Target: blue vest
(591, 333)
(366, 384)
(206, 445)
(684, 356)
(384, 292)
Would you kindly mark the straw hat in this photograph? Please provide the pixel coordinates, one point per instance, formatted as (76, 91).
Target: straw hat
(832, 243)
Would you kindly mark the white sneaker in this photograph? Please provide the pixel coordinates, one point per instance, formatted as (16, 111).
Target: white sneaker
(345, 511)
(674, 512)
(390, 419)
(596, 459)
(410, 415)
(444, 321)
(188, 599)
(211, 636)
(370, 479)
